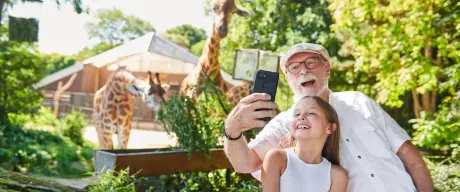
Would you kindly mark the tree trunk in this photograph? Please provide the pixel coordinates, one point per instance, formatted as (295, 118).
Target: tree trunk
(434, 95)
(60, 89)
(428, 102)
(4, 114)
(417, 108)
(57, 96)
(2, 4)
(3, 101)
(434, 92)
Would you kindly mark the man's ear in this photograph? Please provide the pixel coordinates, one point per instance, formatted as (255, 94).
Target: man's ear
(328, 68)
(243, 13)
(165, 87)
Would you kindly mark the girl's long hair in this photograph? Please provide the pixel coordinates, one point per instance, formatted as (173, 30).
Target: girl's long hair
(331, 147)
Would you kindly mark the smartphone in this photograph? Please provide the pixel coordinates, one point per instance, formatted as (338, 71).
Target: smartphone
(266, 82)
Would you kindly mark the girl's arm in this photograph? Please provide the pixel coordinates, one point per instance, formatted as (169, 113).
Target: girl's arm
(272, 169)
(339, 179)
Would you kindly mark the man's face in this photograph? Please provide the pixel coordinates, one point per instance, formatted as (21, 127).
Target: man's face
(304, 81)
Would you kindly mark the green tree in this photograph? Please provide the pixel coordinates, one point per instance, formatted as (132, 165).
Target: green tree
(197, 48)
(191, 33)
(55, 62)
(26, 29)
(6, 4)
(21, 67)
(22, 29)
(114, 27)
(97, 49)
(275, 25)
(408, 48)
(177, 39)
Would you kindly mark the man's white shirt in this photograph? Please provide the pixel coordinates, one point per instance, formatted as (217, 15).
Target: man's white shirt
(370, 139)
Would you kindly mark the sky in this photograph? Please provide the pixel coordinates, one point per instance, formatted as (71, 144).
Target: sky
(62, 31)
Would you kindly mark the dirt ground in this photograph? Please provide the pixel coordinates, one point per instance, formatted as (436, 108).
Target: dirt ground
(139, 138)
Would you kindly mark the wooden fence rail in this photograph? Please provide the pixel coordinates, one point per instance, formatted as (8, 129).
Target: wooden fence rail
(83, 102)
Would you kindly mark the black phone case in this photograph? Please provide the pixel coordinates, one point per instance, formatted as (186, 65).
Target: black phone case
(266, 82)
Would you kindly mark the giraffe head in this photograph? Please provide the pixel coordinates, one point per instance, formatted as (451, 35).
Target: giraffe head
(150, 92)
(156, 91)
(223, 11)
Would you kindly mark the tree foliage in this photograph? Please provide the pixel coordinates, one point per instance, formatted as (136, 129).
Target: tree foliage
(275, 25)
(21, 68)
(97, 49)
(114, 27)
(55, 62)
(22, 29)
(197, 122)
(192, 34)
(177, 39)
(197, 48)
(408, 47)
(6, 4)
(45, 152)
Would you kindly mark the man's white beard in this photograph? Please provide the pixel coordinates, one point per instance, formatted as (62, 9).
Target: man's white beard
(298, 93)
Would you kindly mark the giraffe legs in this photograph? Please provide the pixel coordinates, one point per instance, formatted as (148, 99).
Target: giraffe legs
(100, 137)
(105, 137)
(104, 132)
(124, 132)
(122, 138)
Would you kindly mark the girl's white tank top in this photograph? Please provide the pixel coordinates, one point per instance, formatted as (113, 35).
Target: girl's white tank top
(301, 176)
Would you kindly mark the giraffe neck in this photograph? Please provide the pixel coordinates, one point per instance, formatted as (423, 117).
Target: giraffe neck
(209, 60)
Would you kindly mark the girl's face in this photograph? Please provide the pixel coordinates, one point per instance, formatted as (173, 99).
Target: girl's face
(309, 121)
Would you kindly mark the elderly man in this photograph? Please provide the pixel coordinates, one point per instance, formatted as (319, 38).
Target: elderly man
(374, 149)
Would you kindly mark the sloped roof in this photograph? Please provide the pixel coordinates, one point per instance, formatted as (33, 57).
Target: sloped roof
(148, 52)
(149, 42)
(59, 75)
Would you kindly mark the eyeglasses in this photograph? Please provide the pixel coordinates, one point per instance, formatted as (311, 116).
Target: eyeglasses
(310, 63)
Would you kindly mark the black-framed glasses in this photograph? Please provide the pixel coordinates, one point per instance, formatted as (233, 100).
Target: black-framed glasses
(310, 63)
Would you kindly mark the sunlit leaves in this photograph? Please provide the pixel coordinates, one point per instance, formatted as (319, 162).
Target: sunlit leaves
(407, 45)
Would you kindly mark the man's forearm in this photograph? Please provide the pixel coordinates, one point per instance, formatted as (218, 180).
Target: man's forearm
(416, 167)
(240, 155)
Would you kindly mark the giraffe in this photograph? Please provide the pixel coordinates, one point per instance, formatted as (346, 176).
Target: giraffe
(236, 93)
(113, 105)
(208, 64)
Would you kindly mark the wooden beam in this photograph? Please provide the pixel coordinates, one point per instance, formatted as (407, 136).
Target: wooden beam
(96, 80)
(155, 163)
(59, 91)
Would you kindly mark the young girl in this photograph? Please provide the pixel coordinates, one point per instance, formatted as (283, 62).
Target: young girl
(314, 141)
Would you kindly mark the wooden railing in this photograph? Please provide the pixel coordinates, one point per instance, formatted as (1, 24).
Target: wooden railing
(83, 102)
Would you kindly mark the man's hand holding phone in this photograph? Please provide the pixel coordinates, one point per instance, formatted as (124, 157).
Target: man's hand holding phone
(255, 110)
(246, 115)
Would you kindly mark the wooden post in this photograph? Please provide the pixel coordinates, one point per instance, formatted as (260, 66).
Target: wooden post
(96, 81)
(57, 96)
(59, 91)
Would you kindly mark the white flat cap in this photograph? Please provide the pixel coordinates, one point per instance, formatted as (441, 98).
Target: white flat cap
(304, 47)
